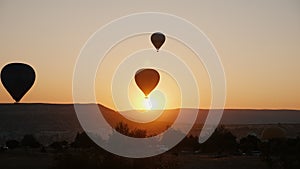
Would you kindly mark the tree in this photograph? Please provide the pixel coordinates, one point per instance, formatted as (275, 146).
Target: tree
(30, 141)
(250, 143)
(82, 140)
(221, 140)
(12, 144)
(138, 133)
(59, 145)
(122, 128)
(189, 143)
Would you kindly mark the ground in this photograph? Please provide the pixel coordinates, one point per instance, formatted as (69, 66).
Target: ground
(34, 159)
(230, 162)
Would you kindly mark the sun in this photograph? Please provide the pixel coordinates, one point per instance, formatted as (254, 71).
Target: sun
(147, 103)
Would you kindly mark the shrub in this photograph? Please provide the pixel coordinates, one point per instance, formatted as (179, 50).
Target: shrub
(30, 141)
(12, 144)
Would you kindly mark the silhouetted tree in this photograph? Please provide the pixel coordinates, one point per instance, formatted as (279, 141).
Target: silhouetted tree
(189, 143)
(122, 128)
(12, 144)
(249, 143)
(30, 141)
(138, 133)
(59, 145)
(82, 140)
(220, 141)
(282, 153)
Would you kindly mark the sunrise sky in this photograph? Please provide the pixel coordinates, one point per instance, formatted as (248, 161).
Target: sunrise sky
(257, 41)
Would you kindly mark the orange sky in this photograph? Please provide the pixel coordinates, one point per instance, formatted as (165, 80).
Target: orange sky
(258, 43)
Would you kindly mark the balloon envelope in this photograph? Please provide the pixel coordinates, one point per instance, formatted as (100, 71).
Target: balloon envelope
(146, 80)
(17, 78)
(158, 40)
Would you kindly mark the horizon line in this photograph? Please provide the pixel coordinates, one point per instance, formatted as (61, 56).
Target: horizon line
(42, 103)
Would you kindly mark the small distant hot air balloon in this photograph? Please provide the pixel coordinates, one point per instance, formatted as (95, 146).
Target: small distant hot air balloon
(146, 80)
(17, 78)
(158, 40)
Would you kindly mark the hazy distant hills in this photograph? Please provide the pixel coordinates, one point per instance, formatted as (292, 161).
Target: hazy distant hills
(246, 116)
(46, 121)
(59, 121)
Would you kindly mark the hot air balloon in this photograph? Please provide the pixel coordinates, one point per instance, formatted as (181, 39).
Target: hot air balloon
(146, 80)
(17, 78)
(158, 40)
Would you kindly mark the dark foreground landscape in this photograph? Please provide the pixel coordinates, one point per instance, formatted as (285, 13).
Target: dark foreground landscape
(49, 136)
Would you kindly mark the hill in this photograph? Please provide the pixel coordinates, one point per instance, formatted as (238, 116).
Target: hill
(51, 122)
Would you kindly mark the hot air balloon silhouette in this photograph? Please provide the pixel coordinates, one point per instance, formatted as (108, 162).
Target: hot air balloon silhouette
(17, 78)
(158, 40)
(146, 80)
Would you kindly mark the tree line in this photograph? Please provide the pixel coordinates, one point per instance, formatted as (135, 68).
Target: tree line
(277, 153)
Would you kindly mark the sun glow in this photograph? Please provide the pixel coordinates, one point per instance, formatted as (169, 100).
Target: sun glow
(147, 103)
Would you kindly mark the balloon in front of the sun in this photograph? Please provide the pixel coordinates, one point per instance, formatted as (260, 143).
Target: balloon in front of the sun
(147, 79)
